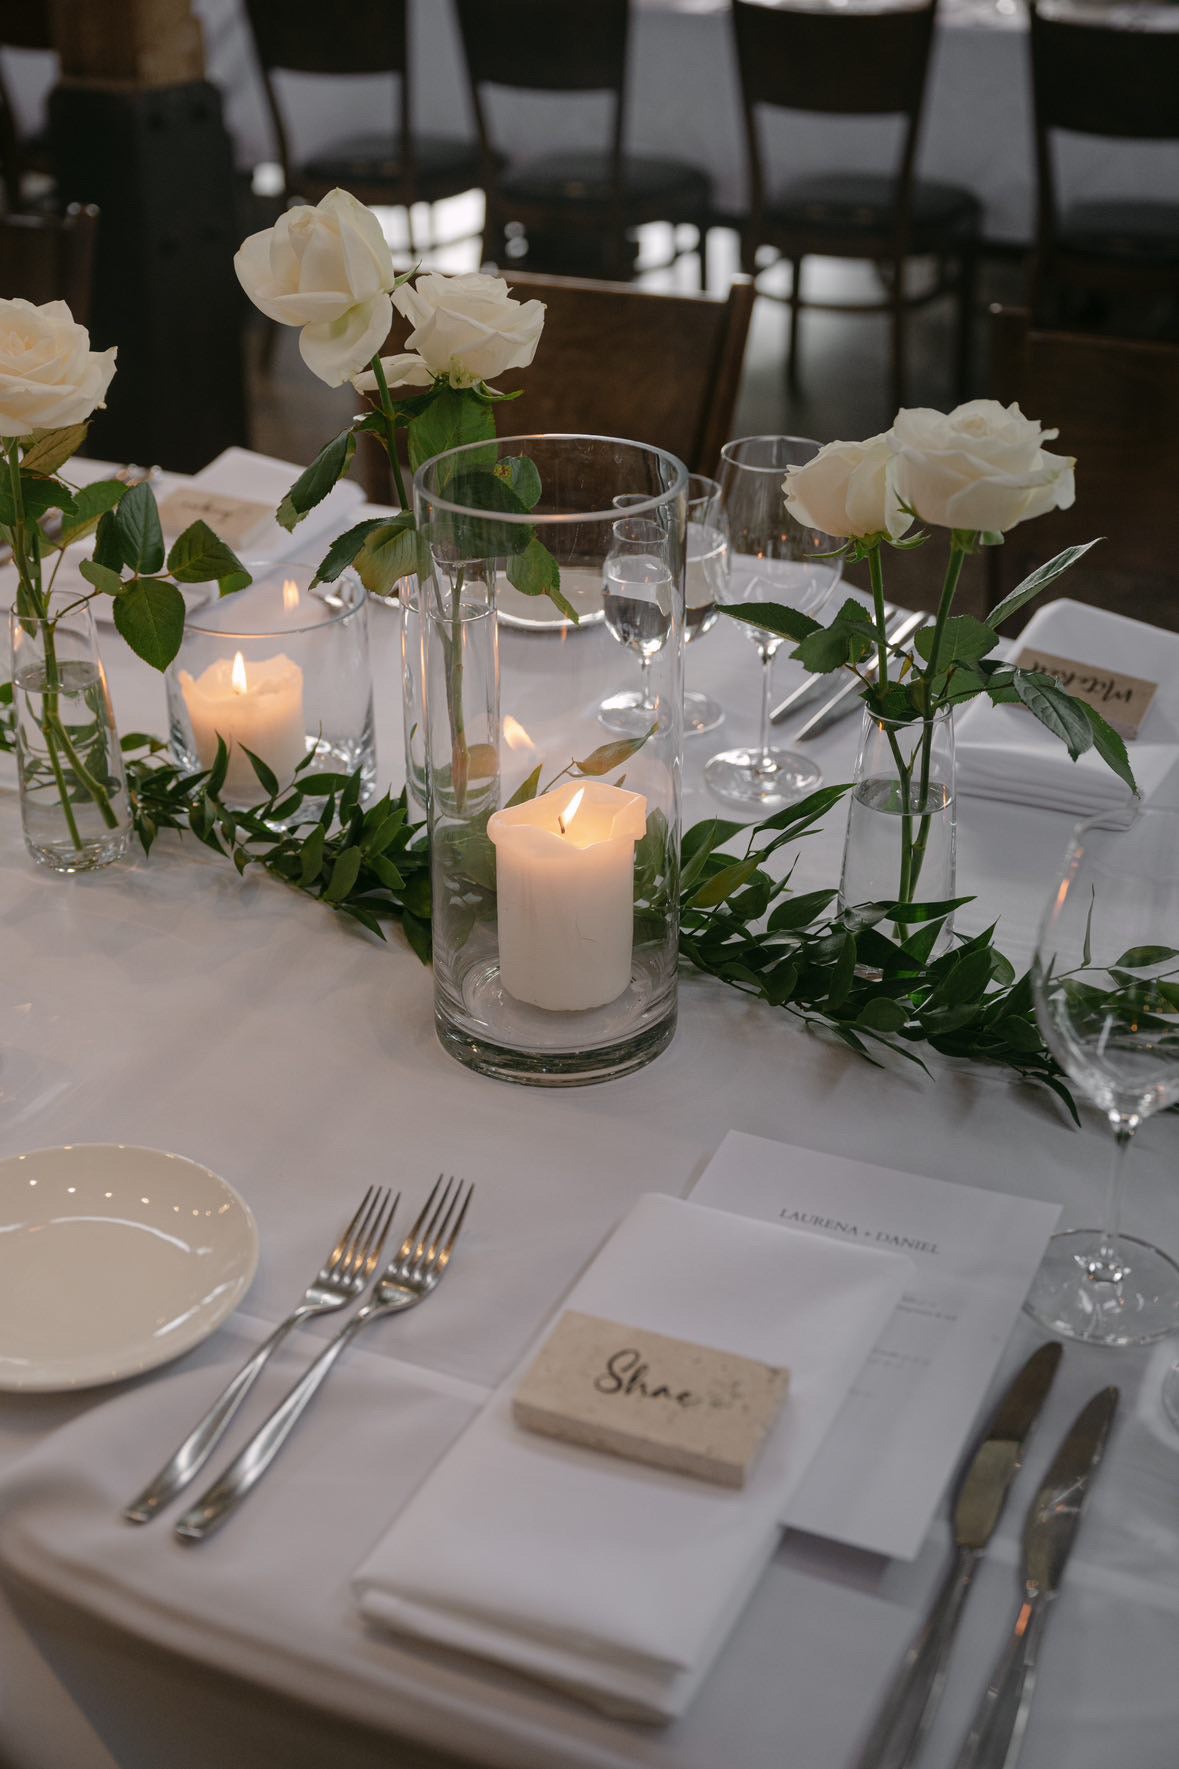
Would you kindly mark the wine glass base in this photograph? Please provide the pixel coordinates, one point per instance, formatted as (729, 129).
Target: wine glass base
(629, 715)
(1072, 1294)
(701, 713)
(761, 782)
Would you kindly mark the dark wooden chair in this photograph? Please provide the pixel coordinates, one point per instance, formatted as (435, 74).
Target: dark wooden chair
(862, 64)
(580, 205)
(50, 258)
(1116, 405)
(616, 361)
(399, 166)
(1091, 78)
(24, 24)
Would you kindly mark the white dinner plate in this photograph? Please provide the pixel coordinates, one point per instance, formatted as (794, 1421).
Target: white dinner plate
(113, 1260)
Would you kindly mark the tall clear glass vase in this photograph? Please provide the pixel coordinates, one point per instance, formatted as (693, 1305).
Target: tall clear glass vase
(73, 788)
(413, 664)
(554, 854)
(901, 836)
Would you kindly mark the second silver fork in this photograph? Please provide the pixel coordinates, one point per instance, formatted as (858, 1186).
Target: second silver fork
(414, 1271)
(340, 1280)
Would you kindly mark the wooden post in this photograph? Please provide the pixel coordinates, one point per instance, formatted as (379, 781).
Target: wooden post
(139, 131)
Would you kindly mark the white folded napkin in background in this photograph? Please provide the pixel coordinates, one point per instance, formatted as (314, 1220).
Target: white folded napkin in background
(1005, 753)
(616, 1581)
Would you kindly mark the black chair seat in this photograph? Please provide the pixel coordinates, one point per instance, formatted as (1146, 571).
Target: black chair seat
(855, 203)
(584, 179)
(1144, 233)
(439, 161)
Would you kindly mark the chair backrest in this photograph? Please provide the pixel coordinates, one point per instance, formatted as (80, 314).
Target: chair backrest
(25, 24)
(618, 361)
(50, 258)
(1098, 79)
(837, 62)
(546, 45)
(1116, 405)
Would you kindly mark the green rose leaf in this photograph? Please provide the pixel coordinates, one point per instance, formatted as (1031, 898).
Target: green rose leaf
(198, 556)
(101, 576)
(344, 549)
(535, 572)
(1108, 744)
(1039, 580)
(772, 617)
(314, 483)
(90, 503)
(108, 548)
(1057, 711)
(523, 477)
(40, 495)
(452, 417)
(47, 450)
(137, 525)
(528, 787)
(611, 755)
(964, 640)
(389, 554)
(149, 613)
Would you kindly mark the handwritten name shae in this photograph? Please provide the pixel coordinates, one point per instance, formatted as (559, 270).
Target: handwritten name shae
(879, 1237)
(627, 1374)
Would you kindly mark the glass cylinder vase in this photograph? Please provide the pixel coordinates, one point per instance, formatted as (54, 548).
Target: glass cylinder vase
(73, 788)
(901, 836)
(554, 844)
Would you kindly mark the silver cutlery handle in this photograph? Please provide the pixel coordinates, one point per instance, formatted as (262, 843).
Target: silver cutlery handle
(203, 1439)
(1000, 1719)
(244, 1473)
(911, 1703)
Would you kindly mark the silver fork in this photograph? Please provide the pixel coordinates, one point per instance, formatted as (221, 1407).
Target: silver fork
(414, 1271)
(340, 1280)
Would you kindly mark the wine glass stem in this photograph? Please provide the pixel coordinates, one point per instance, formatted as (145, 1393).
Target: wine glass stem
(1110, 1263)
(646, 704)
(764, 760)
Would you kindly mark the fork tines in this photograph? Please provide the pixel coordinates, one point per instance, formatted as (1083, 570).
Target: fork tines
(432, 1237)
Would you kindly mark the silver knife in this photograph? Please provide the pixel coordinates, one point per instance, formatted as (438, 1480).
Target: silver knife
(908, 1709)
(1000, 1720)
(810, 685)
(844, 699)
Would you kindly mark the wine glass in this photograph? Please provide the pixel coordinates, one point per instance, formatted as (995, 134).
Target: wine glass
(707, 558)
(1105, 982)
(772, 558)
(637, 592)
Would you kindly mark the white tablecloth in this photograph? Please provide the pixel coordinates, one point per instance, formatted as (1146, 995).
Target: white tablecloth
(168, 1003)
(684, 100)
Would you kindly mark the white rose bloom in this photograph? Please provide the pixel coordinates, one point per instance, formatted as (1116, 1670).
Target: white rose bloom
(328, 270)
(848, 489)
(981, 466)
(405, 370)
(49, 376)
(468, 328)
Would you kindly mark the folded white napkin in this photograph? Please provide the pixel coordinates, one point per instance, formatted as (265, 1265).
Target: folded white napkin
(616, 1581)
(1005, 753)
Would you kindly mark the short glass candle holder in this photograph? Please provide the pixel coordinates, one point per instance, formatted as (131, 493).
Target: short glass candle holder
(554, 845)
(279, 669)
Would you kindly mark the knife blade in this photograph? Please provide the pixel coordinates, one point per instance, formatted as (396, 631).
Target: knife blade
(844, 699)
(905, 1715)
(811, 685)
(996, 1733)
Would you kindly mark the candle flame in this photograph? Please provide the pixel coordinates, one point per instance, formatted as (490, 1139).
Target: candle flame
(565, 817)
(290, 595)
(515, 736)
(237, 674)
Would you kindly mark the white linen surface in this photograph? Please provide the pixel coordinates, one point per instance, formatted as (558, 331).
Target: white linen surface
(616, 1581)
(1005, 753)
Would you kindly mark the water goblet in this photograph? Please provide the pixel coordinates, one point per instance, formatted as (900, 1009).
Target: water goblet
(637, 591)
(772, 557)
(704, 577)
(1106, 988)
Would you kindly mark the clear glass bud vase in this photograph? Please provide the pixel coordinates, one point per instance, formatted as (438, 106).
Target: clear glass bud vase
(901, 836)
(554, 847)
(73, 789)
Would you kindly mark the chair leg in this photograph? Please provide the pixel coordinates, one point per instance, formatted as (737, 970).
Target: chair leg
(897, 308)
(792, 377)
(702, 253)
(967, 280)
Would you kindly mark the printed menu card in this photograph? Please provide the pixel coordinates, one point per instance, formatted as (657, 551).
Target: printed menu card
(876, 1480)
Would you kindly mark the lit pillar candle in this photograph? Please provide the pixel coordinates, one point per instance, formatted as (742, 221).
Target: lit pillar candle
(565, 894)
(258, 705)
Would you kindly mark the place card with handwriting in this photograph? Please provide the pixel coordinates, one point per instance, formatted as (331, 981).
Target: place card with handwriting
(1123, 701)
(653, 1399)
(236, 520)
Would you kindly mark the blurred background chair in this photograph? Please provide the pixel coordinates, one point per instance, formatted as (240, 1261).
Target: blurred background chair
(617, 361)
(865, 64)
(1116, 404)
(24, 24)
(50, 258)
(572, 210)
(399, 166)
(1091, 77)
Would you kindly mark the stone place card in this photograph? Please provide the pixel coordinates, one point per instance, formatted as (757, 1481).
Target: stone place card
(1122, 700)
(650, 1398)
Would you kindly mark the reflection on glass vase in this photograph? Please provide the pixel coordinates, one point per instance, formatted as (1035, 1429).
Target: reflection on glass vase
(73, 789)
(413, 665)
(900, 842)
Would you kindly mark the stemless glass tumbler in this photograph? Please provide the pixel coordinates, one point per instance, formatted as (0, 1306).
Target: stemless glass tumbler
(771, 558)
(554, 855)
